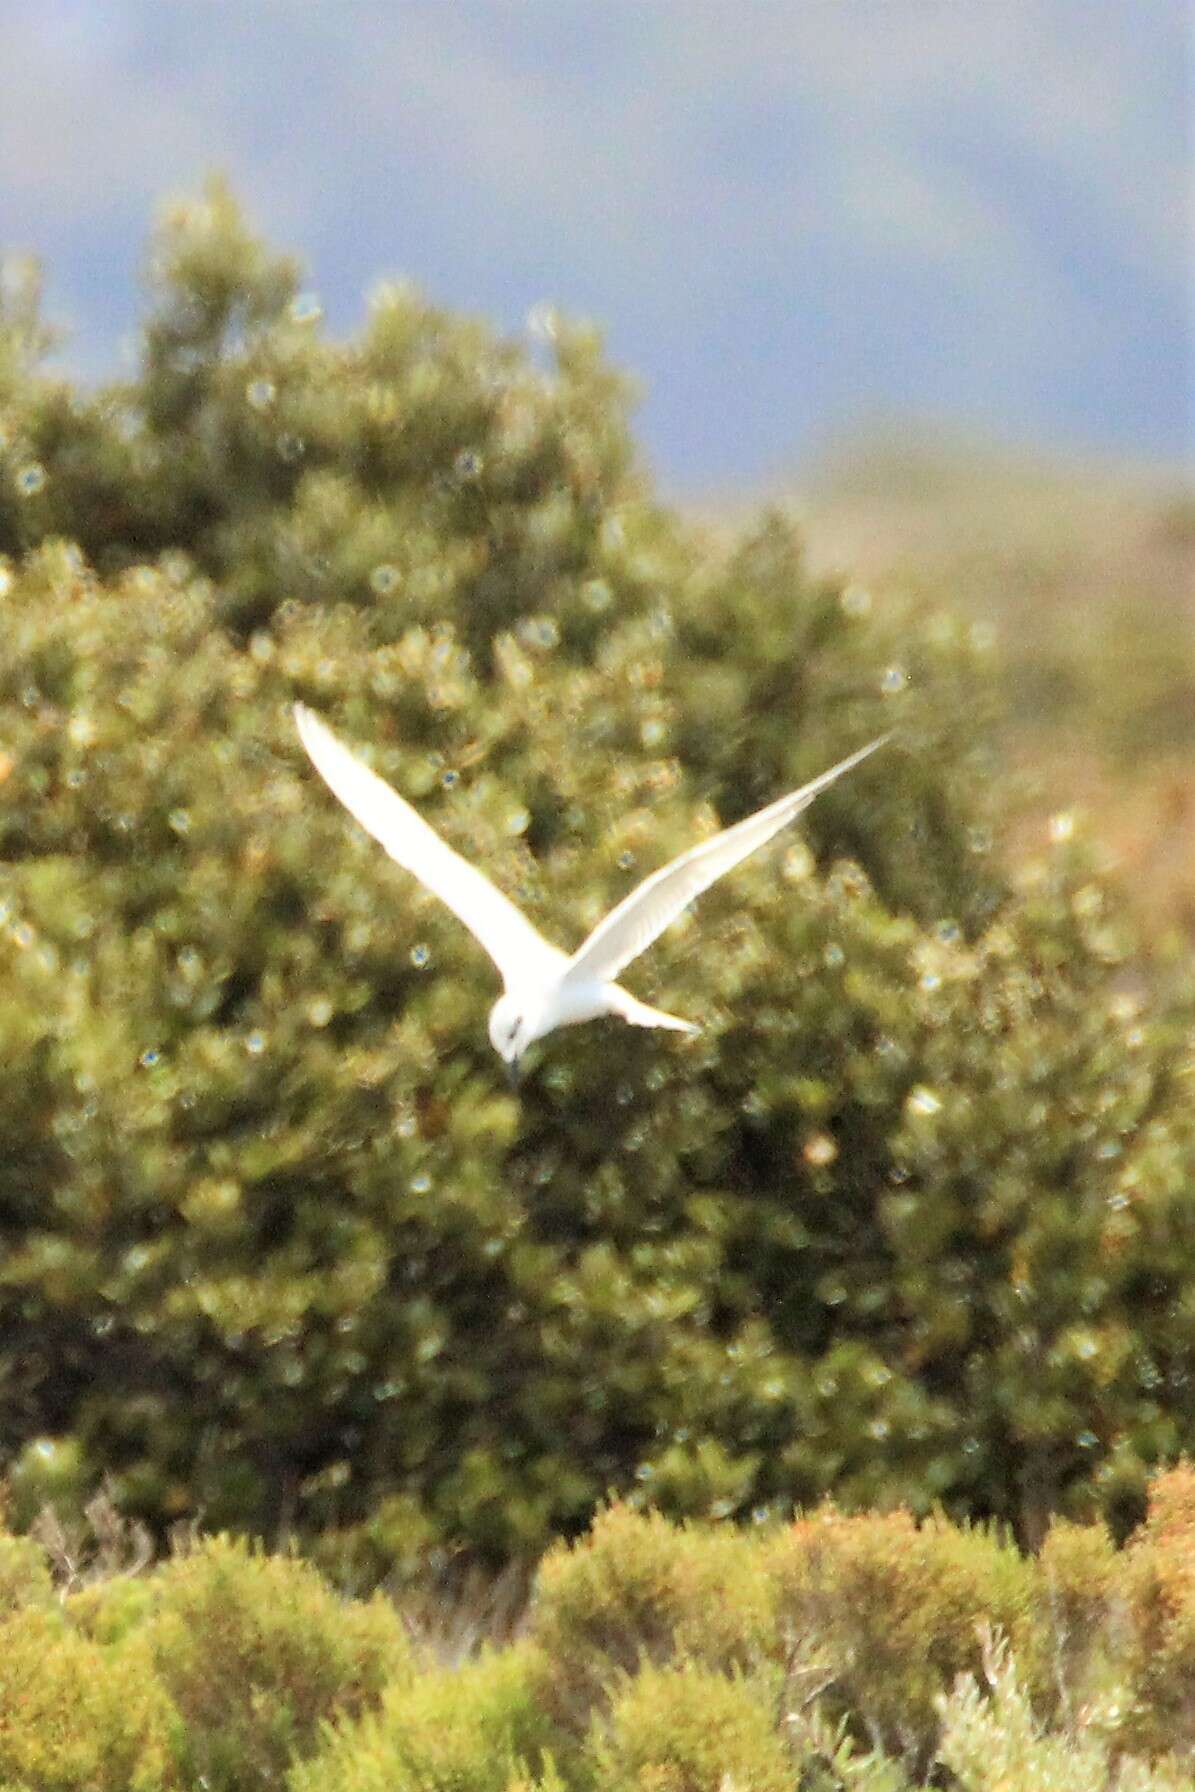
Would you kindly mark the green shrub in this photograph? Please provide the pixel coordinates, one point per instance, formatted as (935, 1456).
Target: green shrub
(256, 1652)
(685, 1728)
(391, 1547)
(475, 1728)
(110, 1610)
(907, 1221)
(992, 1742)
(1170, 1514)
(49, 1472)
(25, 1578)
(637, 1589)
(1077, 1618)
(73, 1714)
(1157, 1583)
(886, 1612)
(860, 1653)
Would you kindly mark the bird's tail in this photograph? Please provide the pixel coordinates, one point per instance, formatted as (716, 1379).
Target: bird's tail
(638, 1014)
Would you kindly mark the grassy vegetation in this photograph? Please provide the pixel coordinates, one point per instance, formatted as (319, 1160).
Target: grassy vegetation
(839, 1653)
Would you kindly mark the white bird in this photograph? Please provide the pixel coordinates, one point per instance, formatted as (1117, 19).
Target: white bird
(543, 987)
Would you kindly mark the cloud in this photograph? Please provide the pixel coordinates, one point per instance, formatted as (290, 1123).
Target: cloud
(670, 166)
(78, 132)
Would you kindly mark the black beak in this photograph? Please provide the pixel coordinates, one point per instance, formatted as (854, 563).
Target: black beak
(513, 1074)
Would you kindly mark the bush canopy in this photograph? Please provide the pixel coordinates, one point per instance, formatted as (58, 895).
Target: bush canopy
(910, 1219)
(844, 1653)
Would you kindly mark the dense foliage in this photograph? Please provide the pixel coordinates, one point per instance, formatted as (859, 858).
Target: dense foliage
(843, 1653)
(910, 1219)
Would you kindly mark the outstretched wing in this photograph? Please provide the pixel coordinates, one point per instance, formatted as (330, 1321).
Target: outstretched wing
(643, 915)
(515, 946)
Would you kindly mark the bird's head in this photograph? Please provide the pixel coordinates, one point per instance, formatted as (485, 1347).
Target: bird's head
(510, 1032)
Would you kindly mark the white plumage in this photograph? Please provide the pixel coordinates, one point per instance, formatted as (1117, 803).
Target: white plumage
(543, 987)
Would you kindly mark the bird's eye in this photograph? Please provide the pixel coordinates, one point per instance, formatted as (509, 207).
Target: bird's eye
(513, 1033)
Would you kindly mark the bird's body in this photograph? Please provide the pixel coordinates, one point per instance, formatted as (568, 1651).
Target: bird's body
(534, 1009)
(543, 987)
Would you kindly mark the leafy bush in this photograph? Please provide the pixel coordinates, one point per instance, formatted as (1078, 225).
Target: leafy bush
(992, 1742)
(24, 1574)
(690, 1729)
(1078, 1616)
(887, 1612)
(471, 1729)
(256, 1652)
(1158, 1585)
(842, 1654)
(73, 1714)
(109, 1610)
(636, 1589)
(49, 1474)
(910, 1220)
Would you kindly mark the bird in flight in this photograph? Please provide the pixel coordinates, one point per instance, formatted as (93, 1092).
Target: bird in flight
(543, 988)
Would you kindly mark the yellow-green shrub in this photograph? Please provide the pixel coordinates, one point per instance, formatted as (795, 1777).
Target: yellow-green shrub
(476, 1728)
(687, 1728)
(1077, 1569)
(1157, 1583)
(24, 1574)
(74, 1715)
(256, 1652)
(109, 1610)
(888, 1611)
(639, 1588)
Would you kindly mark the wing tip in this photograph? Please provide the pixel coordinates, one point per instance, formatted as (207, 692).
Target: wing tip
(873, 746)
(314, 732)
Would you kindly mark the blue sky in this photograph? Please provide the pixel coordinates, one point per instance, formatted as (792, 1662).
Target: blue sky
(790, 217)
